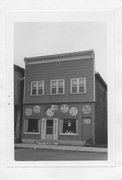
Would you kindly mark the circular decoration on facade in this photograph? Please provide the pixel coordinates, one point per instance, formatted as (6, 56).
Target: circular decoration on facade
(64, 108)
(28, 111)
(50, 113)
(73, 111)
(86, 109)
(36, 109)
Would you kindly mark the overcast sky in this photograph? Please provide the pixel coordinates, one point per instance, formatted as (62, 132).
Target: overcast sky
(44, 38)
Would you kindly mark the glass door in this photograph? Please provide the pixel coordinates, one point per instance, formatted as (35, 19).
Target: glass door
(49, 129)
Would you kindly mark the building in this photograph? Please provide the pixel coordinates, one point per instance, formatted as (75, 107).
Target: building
(18, 101)
(65, 101)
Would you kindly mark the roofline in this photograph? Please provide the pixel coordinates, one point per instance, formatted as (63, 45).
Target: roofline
(101, 79)
(63, 57)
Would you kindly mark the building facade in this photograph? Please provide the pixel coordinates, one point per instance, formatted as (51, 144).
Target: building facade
(63, 100)
(18, 101)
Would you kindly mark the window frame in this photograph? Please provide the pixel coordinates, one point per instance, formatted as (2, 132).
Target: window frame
(37, 88)
(57, 86)
(77, 127)
(78, 85)
(39, 123)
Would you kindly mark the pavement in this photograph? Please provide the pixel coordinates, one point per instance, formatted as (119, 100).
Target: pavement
(61, 147)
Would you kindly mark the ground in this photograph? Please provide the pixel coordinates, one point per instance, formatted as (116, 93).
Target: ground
(26, 154)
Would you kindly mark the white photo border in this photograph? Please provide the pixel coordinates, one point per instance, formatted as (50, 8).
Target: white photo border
(60, 16)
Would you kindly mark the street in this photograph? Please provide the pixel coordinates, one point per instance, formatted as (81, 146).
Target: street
(26, 154)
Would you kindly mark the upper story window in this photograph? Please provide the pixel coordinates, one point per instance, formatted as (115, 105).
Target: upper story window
(57, 86)
(37, 88)
(78, 85)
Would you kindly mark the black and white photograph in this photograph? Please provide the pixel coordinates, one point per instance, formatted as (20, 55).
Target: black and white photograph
(60, 91)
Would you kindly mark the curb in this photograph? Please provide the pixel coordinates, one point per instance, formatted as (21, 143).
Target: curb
(63, 148)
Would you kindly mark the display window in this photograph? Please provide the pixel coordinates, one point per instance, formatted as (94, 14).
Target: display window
(69, 126)
(32, 126)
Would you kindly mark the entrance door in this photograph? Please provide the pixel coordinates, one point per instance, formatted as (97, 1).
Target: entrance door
(86, 128)
(49, 129)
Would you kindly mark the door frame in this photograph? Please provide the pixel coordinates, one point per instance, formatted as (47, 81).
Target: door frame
(44, 126)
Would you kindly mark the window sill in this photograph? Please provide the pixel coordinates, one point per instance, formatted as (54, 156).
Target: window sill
(31, 133)
(68, 134)
(37, 95)
(57, 94)
(78, 93)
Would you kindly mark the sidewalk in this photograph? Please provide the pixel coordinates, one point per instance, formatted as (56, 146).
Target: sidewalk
(61, 147)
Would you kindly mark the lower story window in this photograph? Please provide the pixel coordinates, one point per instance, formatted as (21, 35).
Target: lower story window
(32, 125)
(69, 126)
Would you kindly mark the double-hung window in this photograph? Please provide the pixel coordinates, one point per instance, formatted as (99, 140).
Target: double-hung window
(57, 86)
(78, 85)
(37, 88)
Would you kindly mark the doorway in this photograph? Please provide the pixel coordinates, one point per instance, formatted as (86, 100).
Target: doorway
(49, 129)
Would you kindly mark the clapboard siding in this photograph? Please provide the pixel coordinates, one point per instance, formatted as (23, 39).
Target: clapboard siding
(65, 70)
(100, 113)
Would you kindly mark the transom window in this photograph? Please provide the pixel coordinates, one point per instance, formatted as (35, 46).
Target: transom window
(78, 85)
(37, 88)
(57, 86)
(86, 120)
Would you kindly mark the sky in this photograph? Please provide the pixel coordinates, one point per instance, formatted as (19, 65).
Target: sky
(46, 38)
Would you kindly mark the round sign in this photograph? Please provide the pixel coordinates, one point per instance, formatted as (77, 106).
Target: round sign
(50, 113)
(36, 109)
(28, 111)
(73, 111)
(64, 108)
(86, 109)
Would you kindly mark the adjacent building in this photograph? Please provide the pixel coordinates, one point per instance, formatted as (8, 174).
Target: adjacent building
(65, 101)
(18, 101)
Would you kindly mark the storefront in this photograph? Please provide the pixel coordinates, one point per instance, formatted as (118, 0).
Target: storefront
(59, 123)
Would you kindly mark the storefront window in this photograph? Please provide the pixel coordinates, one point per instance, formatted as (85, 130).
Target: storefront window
(32, 125)
(68, 126)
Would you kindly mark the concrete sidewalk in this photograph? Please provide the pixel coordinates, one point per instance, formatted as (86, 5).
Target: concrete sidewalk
(61, 147)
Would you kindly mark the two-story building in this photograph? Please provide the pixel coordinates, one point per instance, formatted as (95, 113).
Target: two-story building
(64, 100)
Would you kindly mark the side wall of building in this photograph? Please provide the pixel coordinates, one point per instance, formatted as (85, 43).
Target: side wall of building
(100, 112)
(18, 101)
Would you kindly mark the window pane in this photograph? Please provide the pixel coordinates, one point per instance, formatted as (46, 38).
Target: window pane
(69, 126)
(60, 90)
(34, 84)
(53, 83)
(74, 82)
(34, 91)
(81, 89)
(60, 83)
(87, 121)
(53, 90)
(32, 125)
(40, 84)
(40, 91)
(74, 89)
(81, 81)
